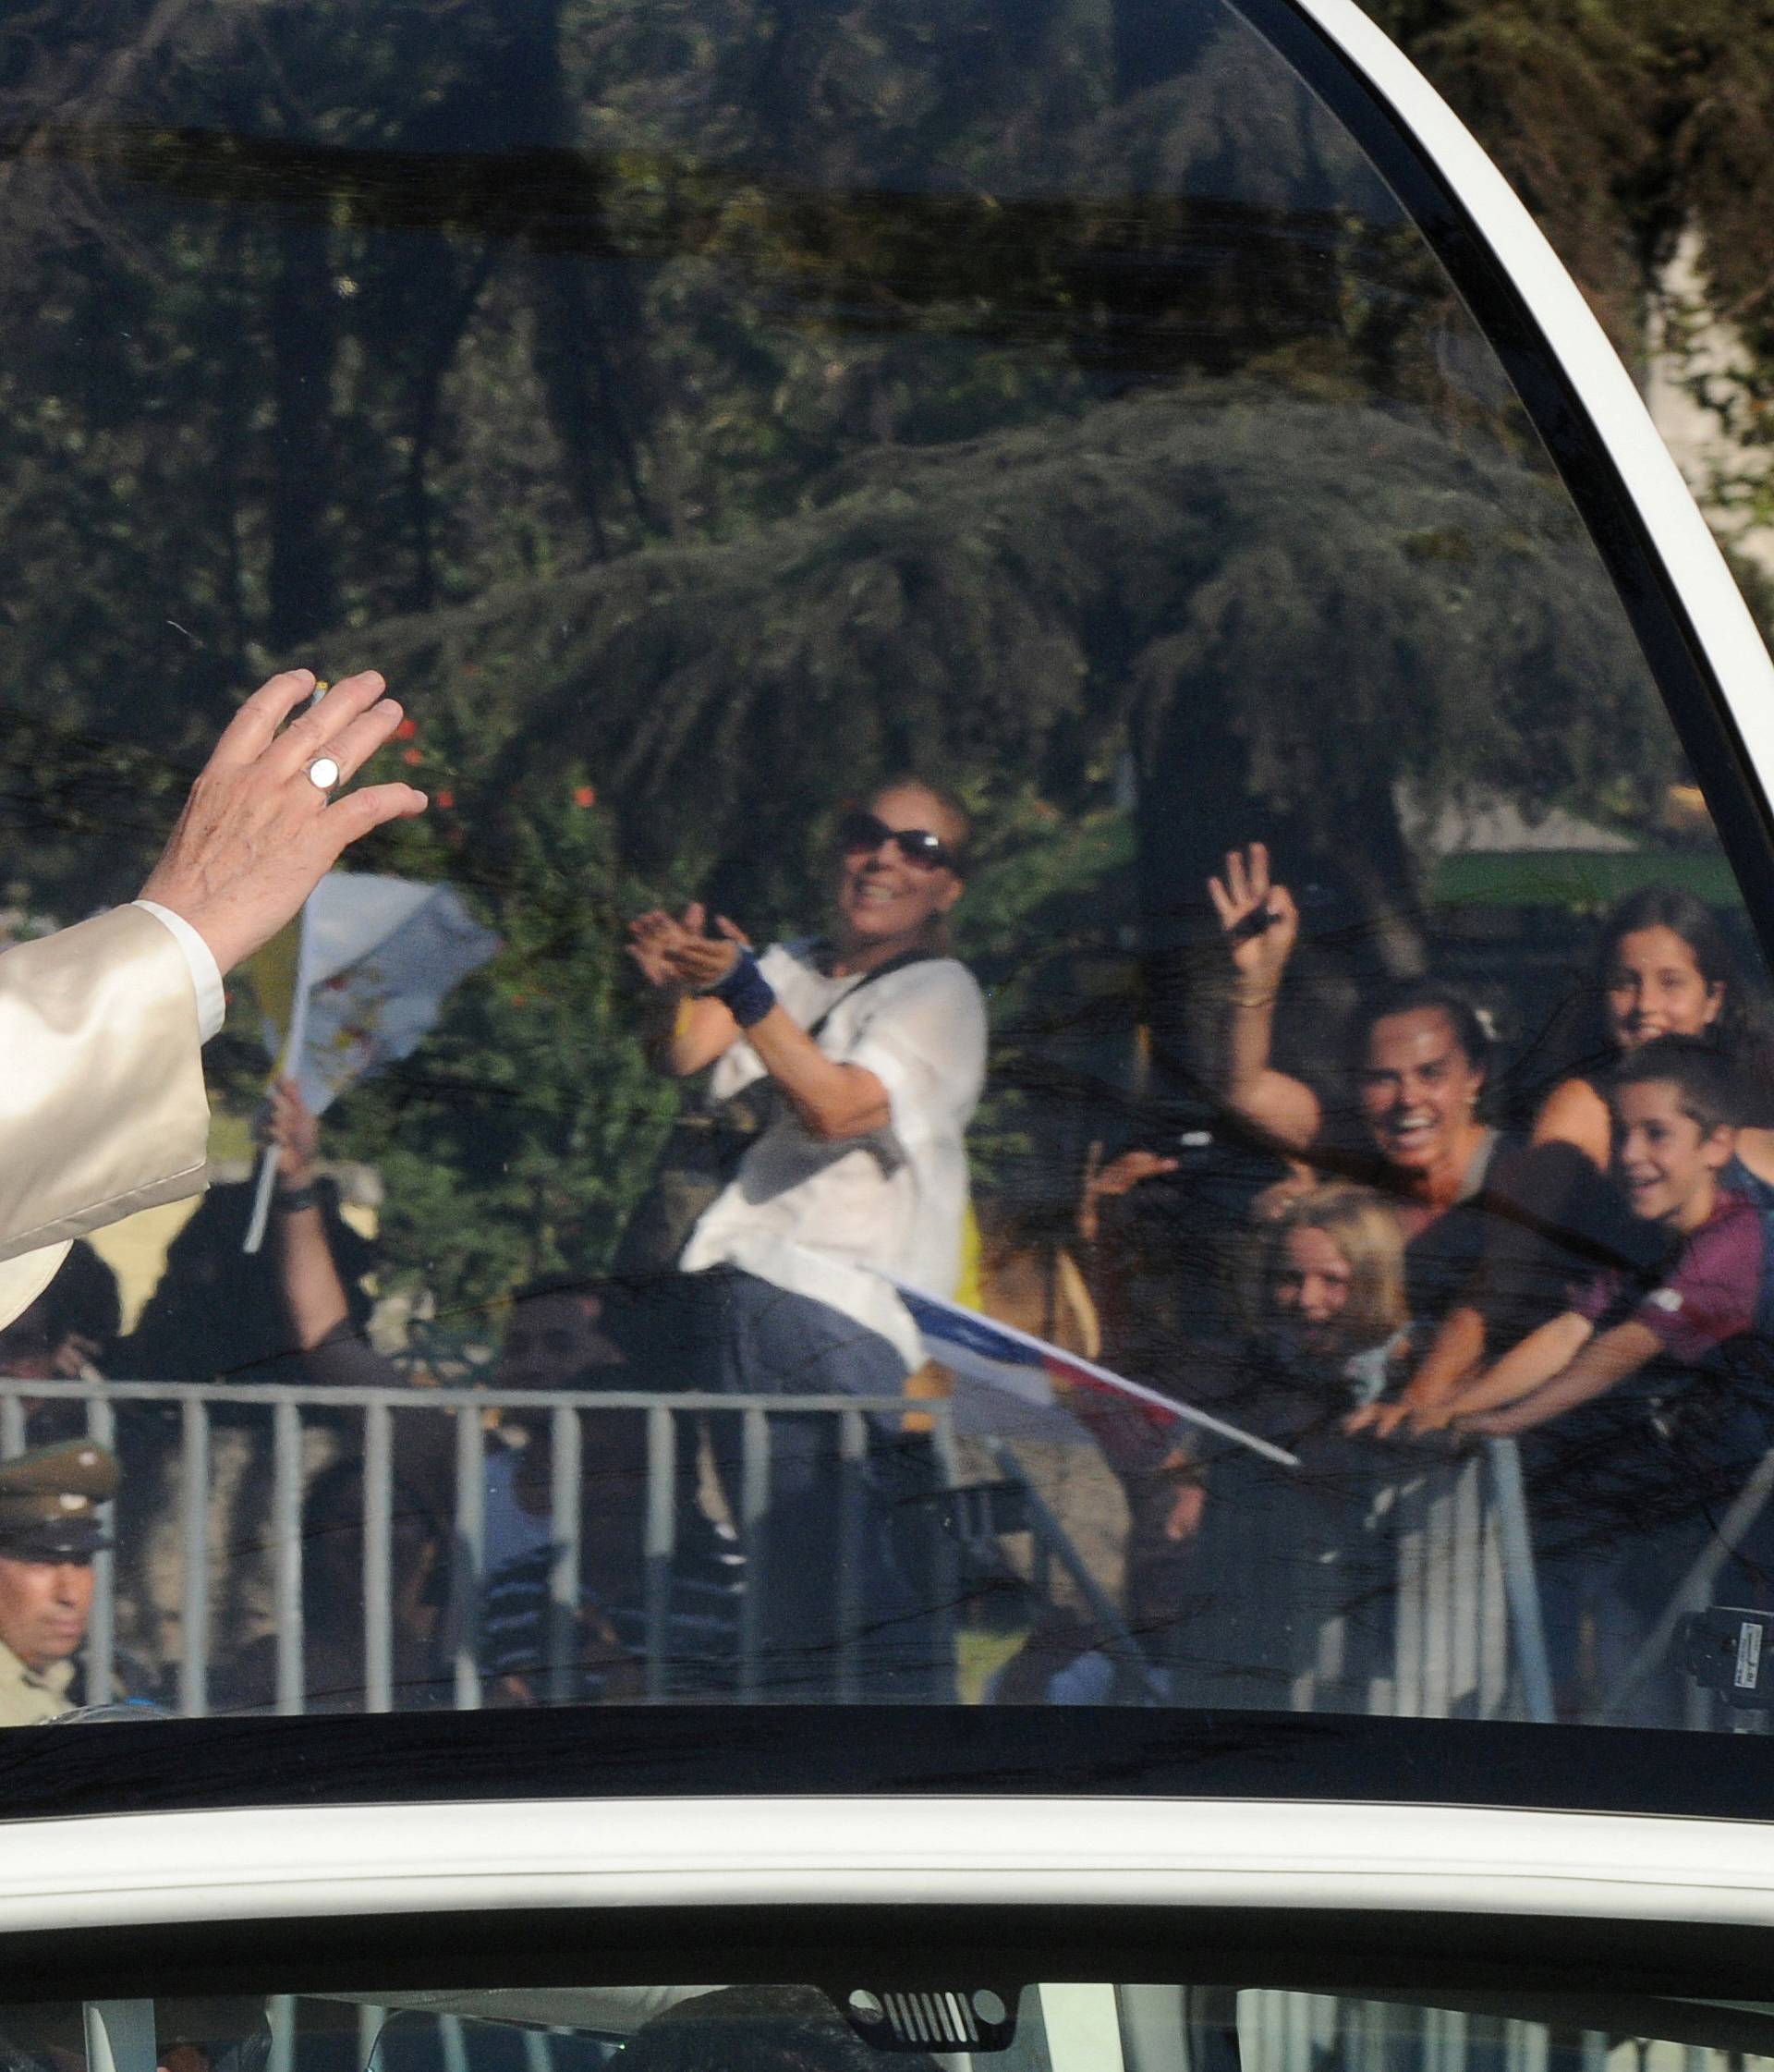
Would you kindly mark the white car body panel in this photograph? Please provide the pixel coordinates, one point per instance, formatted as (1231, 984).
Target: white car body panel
(277, 1863)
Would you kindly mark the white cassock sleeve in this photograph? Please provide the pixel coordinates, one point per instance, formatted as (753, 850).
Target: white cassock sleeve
(102, 1104)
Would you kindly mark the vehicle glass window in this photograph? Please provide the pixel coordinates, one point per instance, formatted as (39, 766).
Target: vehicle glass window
(1068, 1025)
(839, 2028)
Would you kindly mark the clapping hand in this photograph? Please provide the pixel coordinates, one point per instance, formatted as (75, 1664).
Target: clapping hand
(676, 957)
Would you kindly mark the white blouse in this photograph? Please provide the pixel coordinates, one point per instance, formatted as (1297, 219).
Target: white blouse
(826, 1220)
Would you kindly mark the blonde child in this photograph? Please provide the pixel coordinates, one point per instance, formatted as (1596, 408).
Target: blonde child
(1270, 1554)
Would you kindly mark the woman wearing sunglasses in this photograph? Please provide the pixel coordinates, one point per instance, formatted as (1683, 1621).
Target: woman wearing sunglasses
(873, 1041)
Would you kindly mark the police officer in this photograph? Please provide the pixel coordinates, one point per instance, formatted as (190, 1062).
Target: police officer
(49, 1532)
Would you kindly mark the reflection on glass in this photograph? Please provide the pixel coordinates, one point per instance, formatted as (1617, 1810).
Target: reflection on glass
(883, 2023)
(1018, 719)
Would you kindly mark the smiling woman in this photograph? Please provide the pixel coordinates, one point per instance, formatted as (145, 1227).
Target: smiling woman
(1418, 1059)
(868, 1046)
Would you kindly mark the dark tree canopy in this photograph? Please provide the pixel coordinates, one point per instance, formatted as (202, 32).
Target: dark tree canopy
(702, 407)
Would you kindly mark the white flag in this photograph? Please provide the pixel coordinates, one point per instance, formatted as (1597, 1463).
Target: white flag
(379, 957)
(374, 960)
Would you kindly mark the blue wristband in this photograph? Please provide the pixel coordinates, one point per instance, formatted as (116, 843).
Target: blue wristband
(745, 992)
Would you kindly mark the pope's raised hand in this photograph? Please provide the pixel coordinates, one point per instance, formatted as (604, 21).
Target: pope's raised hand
(258, 833)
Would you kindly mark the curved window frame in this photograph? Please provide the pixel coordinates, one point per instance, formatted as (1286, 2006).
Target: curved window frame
(1704, 649)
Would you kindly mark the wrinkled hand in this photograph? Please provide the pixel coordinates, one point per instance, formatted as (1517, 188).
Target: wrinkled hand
(294, 1127)
(256, 836)
(677, 956)
(1260, 920)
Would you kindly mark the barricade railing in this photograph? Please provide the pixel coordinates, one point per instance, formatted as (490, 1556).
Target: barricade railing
(284, 1414)
(1436, 1614)
(1466, 1632)
(1448, 1626)
(1457, 1632)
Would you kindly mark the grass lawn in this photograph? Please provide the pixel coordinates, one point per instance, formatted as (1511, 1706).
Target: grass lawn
(1579, 879)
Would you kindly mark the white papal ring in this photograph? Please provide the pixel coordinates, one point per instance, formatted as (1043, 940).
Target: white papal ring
(324, 772)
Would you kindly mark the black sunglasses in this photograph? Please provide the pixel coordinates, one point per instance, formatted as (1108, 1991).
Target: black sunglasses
(916, 844)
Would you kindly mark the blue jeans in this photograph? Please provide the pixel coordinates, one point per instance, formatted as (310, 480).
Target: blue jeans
(756, 1339)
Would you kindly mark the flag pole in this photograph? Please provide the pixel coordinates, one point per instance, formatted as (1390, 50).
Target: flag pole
(286, 1063)
(1114, 1384)
(261, 1199)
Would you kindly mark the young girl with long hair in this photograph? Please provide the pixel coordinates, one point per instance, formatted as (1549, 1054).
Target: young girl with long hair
(1662, 967)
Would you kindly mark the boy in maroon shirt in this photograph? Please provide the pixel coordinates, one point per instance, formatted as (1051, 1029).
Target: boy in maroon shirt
(1675, 1131)
(1652, 1378)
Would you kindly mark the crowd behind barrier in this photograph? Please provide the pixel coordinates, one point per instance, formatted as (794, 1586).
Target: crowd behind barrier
(1285, 2031)
(1438, 1619)
(1418, 1264)
(1165, 2029)
(244, 1558)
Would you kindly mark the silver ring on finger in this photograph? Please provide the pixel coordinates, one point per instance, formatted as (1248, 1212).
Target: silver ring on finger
(324, 774)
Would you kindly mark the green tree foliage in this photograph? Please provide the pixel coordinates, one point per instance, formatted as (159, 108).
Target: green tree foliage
(1212, 536)
(712, 405)
(516, 1140)
(1620, 124)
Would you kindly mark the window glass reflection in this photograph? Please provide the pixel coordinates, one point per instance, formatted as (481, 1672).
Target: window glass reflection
(780, 2027)
(1021, 732)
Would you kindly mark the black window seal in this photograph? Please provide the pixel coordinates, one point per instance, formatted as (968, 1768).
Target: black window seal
(669, 1751)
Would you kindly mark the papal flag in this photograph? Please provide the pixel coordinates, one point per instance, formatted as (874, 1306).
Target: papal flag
(355, 981)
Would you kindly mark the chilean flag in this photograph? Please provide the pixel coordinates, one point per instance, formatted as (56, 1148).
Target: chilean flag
(1005, 1382)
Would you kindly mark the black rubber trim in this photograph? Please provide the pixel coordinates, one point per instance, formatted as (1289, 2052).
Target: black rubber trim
(1703, 721)
(1522, 1958)
(670, 1751)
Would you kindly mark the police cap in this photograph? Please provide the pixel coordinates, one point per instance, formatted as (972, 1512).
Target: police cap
(50, 1498)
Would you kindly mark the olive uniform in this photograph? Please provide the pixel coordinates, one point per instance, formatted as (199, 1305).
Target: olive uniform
(49, 1506)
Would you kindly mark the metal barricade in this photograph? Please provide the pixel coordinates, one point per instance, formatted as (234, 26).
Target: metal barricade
(284, 1417)
(1440, 1617)
(1457, 1634)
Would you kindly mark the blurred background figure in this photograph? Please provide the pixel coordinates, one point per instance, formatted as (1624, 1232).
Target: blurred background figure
(70, 1330)
(49, 1532)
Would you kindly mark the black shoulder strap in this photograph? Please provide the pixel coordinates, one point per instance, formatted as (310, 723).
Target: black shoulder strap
(897, 963)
